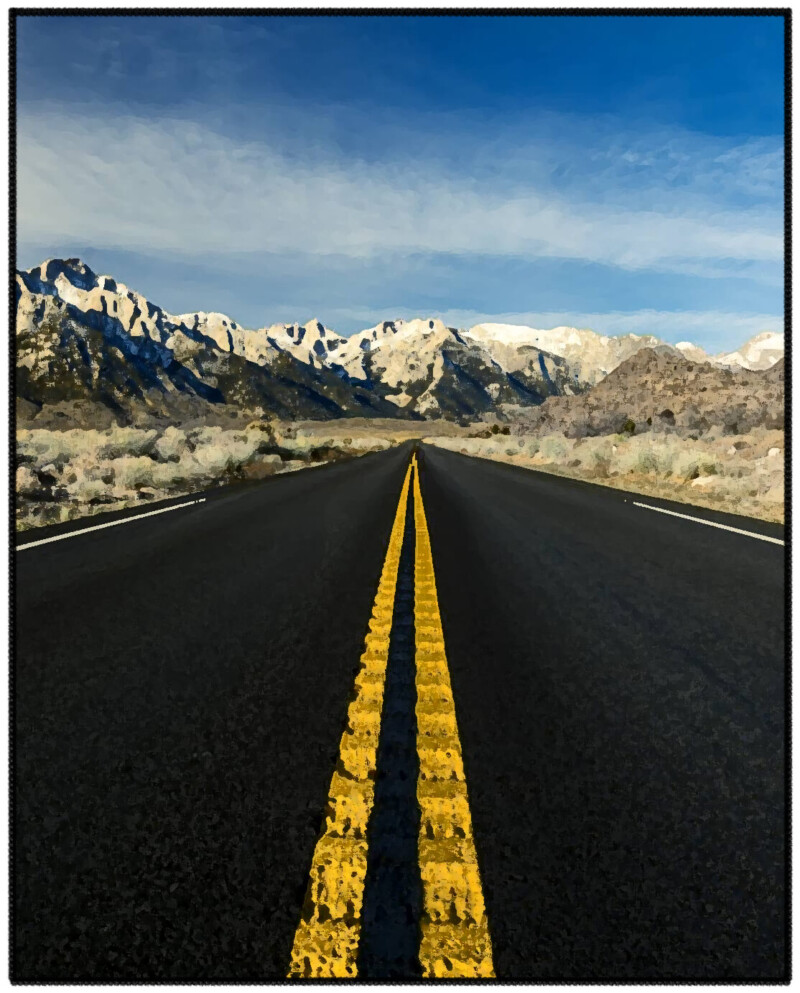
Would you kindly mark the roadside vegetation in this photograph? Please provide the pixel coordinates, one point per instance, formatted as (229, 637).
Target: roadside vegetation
(739, 474)
(68, 470)
(62, 475)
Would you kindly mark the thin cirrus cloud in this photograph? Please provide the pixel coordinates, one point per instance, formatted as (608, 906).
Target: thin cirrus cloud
(183, 188)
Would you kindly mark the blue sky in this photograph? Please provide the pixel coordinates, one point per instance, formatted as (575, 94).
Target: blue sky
(619, 173)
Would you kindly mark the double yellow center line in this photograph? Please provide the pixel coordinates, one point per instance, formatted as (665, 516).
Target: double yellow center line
(454, 933)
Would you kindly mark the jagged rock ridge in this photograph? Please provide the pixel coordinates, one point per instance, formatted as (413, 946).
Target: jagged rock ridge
(87, 338)
(84, 337)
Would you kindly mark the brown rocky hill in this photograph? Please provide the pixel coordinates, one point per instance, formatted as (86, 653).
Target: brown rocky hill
(655, 390)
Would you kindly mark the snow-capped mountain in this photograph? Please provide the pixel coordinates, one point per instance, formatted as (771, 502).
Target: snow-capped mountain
(762, 351)
(427, 367)
(692, 352)
(81, 336)
(309, 342)
(590, 356)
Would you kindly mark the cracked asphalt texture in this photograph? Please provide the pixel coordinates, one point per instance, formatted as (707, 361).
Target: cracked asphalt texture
(182, 683)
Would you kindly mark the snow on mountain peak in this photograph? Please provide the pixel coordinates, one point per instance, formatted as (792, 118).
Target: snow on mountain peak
(692, 352)
(761, 351)
(591, 356)
(420, 363)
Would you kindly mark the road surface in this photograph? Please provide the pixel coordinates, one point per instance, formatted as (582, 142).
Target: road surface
(182, 684)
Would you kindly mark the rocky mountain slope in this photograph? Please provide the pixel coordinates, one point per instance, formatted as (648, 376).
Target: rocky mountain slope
(429, 368)
(590, 356)
(657, 390)
(87, 339)
(83, 337)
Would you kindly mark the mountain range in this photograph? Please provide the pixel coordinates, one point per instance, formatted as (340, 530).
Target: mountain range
(656, 390)
(83, 337)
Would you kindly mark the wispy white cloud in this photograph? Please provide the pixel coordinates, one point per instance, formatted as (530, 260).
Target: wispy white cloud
(184, 188)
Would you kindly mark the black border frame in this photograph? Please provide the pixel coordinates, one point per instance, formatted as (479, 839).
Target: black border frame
(786, 14)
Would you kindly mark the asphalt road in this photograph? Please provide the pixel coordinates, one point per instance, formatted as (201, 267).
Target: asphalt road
(182, 682)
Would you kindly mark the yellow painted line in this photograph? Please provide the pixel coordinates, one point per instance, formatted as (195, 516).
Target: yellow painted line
(455, 941)
(326, 940)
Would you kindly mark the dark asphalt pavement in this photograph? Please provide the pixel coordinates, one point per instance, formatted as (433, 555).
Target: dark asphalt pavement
(619, 680)
(182, 684)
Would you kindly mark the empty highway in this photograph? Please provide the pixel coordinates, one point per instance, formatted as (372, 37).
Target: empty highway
(541, 727)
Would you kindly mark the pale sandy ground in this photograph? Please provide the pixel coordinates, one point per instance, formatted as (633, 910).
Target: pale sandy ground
(397, 430)
(742, 474)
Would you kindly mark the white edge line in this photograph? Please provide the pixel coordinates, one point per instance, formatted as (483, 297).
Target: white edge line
(711, 524)
(109, 524)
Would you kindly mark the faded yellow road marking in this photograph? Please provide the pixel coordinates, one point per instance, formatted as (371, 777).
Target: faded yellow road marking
(326, 940)
(455, 939)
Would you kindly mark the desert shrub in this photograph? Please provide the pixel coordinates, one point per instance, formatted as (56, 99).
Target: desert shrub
(300, 445)
(532, 446)
(601, 464)
(266, 427)
(690, 464)
(131, 471)
(368, 444)
(59, 447)
(629, 427)
(553, 448)
(218, 452)
(685, 465)
(119, 441)
(42, 446)
(171, 445)
(262, 466)
(176, 475)
(27, 483)
(85, 489)
(647, 461)
(207, 461)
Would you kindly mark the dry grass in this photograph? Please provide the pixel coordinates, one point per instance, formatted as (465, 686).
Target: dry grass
(382, 427)
(62, 475)
(66, 474)
(741, 474)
